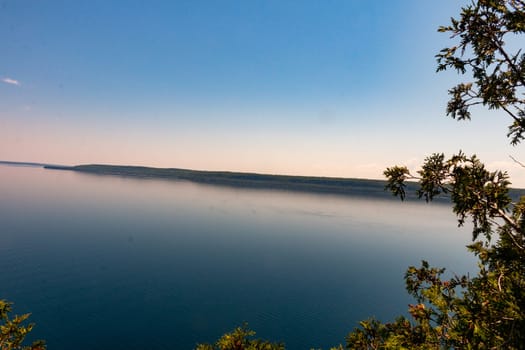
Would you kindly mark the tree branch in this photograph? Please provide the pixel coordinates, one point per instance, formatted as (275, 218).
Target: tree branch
(510, 63)
(517, 161)
(512, 224)
(510, 113)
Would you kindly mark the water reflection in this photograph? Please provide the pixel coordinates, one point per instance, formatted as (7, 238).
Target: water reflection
(157, 264)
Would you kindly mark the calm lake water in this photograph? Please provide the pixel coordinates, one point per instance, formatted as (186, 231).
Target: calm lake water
(106, 262)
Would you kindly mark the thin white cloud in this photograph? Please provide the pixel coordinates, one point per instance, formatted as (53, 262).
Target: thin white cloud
(11, 81)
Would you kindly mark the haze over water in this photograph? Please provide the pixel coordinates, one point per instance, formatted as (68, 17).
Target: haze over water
(110, 262)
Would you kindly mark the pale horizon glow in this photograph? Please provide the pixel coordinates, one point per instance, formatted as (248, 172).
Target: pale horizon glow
(338, 89)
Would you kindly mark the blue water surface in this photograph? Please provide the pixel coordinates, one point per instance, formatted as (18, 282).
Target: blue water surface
(106, 262)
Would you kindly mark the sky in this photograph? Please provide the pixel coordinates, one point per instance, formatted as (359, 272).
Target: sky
(341, 88)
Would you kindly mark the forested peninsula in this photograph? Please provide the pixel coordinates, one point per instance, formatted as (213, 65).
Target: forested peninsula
(341, 186)
(331, 185)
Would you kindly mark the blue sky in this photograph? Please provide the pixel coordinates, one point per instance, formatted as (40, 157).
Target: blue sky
(330, 88)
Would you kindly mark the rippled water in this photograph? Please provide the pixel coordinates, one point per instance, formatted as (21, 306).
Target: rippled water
(120, 263)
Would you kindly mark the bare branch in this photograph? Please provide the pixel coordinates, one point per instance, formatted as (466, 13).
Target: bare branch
(510, 113)
(517, 161)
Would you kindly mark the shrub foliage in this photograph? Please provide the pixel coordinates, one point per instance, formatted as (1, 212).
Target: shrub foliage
(13, 331)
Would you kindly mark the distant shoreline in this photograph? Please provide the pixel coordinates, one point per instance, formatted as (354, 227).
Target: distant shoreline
(311, 184)
(315, 184)
(6, 162)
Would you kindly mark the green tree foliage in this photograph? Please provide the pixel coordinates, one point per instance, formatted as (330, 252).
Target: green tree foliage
(13, 332)
(241, 338)
(483, 312)
(488, 310)
(486, 32)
